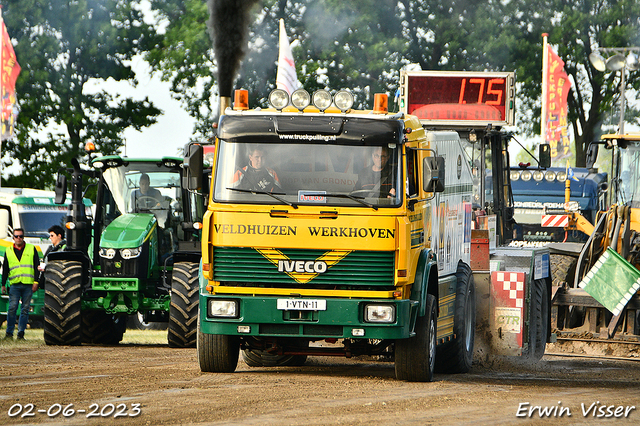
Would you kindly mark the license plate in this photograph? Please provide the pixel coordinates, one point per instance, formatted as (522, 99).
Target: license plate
(302, 305)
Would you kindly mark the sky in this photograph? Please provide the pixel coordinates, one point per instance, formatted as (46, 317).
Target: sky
(174, 126)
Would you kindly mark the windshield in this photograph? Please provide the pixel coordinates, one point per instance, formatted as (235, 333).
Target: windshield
(308, 174)
(36, 220)
(629, 177)
(144, 188)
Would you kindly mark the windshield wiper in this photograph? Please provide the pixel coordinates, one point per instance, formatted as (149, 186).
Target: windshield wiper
(340, 195)
(271, 194)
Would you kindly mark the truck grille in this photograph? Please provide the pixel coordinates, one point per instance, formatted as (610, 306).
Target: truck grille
(357, 270)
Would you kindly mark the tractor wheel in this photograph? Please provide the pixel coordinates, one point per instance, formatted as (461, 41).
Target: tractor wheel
(101, 328)
(62, 303)
(456, 356)
(415, 356)
(183, 313)
(217, 353)
(563, 269)
(136, 322)
(538, 321)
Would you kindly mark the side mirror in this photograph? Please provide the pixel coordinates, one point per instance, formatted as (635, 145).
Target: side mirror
(592, 155)
(4, 223)
(544, 156)
(61, 189)
(433, 174)
(192, 167)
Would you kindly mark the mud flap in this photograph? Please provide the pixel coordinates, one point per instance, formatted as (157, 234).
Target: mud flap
(507, 305)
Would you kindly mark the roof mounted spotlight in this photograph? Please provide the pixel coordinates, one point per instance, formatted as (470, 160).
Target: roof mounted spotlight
(300, 99)
(322, 99)
(279, 99)
(343, 100)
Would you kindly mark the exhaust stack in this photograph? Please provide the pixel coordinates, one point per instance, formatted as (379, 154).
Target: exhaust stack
(225, 102)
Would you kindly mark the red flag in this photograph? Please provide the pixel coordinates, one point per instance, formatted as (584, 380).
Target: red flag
(556, 124)
(10, 70)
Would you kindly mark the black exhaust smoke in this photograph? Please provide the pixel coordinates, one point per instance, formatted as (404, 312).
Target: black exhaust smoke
(228, 28)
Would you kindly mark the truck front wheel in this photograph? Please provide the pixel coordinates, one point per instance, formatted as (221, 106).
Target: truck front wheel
(415, 357)
(217, 353)
(183, 312)
(62, 303)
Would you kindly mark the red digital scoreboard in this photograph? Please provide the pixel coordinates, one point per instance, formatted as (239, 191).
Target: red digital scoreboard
(459, 98)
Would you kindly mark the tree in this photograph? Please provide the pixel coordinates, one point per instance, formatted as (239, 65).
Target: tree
(362, 46)
(63, 47)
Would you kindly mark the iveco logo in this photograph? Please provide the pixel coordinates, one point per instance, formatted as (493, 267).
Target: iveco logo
(301, 266)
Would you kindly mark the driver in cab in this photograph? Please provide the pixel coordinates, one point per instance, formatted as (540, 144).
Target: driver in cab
(256, 176)
(145, 197)
(377, 179)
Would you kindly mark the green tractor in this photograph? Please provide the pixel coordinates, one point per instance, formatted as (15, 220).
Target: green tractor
(138, 254)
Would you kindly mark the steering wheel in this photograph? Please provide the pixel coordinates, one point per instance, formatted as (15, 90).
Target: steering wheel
(141, 201)
(362, 193)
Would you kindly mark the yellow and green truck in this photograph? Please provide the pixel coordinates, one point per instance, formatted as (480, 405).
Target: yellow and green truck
(321, 249)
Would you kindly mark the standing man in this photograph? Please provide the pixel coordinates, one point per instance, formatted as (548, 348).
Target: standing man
(19, 267)
(58, 243)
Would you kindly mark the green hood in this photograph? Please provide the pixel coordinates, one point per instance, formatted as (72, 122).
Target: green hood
(128, 231)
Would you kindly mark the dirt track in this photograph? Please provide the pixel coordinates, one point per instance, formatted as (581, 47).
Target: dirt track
(171, 390)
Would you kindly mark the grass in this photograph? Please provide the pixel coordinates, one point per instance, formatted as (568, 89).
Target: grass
(34, 337)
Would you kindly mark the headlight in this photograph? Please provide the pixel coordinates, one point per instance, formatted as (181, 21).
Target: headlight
(300, 99)
(107, 253)
(322, 99)
(343, 100)
(130, 253)
(223, 308)
(561, 176)
(538, 176)
(279, 99)
(550, 176)
(380, 313)
(514, 175)
(526, 176)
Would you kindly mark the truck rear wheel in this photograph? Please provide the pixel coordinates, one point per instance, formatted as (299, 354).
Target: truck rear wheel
(456, 356)
(415, 357)
(101, 328)
(62, 303)
(183, 313)
(217, 353)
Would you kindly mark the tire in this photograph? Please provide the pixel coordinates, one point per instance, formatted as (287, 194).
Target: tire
(137, 322)
(538, 321)
(62, 303)
(217, 353)
(258, 358)
(415, 356)
(183, 313)
(456, 356)
(101, 328)
(563, 270)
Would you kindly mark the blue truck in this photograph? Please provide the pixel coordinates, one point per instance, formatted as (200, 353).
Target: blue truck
(538, 192)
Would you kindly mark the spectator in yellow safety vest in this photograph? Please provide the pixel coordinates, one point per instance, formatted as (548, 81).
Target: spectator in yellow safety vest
(19, 268)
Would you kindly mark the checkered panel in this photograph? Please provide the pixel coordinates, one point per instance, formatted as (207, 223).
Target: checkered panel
(510, 287)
